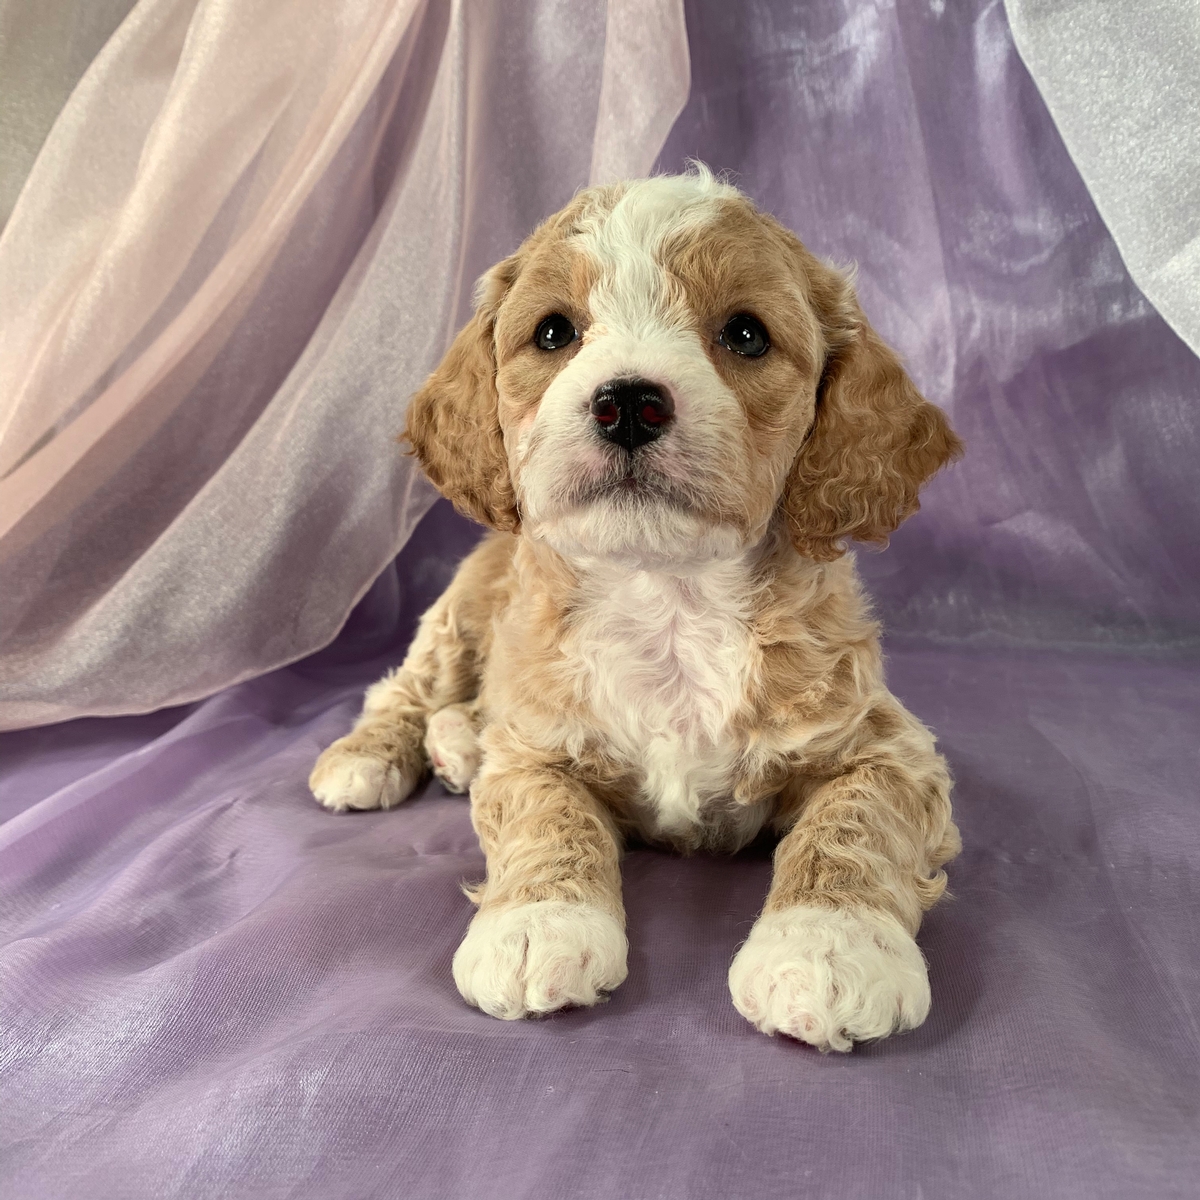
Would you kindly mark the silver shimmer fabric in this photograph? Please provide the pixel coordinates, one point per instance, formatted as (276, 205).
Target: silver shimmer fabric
(1122, 81)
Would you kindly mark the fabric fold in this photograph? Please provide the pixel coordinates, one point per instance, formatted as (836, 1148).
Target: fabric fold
(1121, 82)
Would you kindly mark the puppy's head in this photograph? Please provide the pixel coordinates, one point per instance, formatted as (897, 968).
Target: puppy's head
(658, 372)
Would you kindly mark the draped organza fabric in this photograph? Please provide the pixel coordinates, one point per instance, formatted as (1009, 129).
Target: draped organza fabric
(45, 47)
(252, 230)
(1122, 84)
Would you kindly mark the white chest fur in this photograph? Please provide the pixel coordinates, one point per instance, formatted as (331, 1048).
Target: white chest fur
(666, 663)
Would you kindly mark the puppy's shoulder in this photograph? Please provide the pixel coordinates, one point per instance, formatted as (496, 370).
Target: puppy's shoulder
(492, 560)
(818, 638)
(799, 599)
(484, 579)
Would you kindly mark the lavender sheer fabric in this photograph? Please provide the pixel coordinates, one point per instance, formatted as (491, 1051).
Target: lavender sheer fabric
(908, 139)
(250, 234)
(209, 987)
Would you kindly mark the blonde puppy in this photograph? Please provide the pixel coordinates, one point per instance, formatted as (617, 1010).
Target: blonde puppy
(674, 418)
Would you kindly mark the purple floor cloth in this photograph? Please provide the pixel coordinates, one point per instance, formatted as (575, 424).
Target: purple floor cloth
(211, 987)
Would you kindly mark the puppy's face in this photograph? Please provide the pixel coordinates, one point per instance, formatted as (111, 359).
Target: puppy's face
(657, 372)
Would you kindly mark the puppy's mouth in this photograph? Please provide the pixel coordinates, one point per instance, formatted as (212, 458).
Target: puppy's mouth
(629, 483)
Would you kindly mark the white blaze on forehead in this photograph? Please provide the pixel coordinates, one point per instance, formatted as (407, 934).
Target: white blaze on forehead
(632, 292)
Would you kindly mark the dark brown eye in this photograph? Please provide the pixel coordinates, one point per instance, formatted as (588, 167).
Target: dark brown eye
(555, 332)
(745, 336)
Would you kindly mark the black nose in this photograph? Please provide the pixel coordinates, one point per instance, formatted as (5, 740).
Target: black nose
(631, 412)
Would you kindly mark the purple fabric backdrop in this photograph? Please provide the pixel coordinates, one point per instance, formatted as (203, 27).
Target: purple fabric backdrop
(209, 987)
(909, 138)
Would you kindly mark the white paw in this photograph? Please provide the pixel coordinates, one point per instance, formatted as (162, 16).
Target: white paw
(535, 958)
(452, 747)
(830, 976)
(345, 779)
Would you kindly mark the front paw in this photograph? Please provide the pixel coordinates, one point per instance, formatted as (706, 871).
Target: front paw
(347, 778)
(830, 976)
(535, 958)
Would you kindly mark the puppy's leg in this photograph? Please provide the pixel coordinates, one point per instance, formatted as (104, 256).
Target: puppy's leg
(832, 959)
(383, 758)
(452, 745)
(550, 930)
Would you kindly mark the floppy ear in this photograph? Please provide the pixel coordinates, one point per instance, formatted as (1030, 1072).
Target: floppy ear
(874, 441)
(454, 420)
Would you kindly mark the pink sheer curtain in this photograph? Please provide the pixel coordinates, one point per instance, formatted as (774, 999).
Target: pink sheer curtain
(250, 233)
(45, 47)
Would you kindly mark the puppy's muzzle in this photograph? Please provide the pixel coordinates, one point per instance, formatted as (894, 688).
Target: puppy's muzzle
(631, 412)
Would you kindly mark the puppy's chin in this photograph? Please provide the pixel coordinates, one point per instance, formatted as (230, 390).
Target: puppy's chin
(642, 535)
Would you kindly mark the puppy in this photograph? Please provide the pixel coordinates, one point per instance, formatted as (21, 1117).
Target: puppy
(673, 417)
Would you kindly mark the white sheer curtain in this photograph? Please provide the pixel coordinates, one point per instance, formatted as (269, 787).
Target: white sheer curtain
(250, 233)
(1122, 83)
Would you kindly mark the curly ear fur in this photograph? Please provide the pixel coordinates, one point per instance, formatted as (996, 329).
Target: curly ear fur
(874, 441)
(454, 423)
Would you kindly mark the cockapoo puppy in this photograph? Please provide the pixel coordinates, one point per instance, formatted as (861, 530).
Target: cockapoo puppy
(673, 417)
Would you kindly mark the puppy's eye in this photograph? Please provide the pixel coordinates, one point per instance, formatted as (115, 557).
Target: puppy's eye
(555, 332)
(745, 336)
